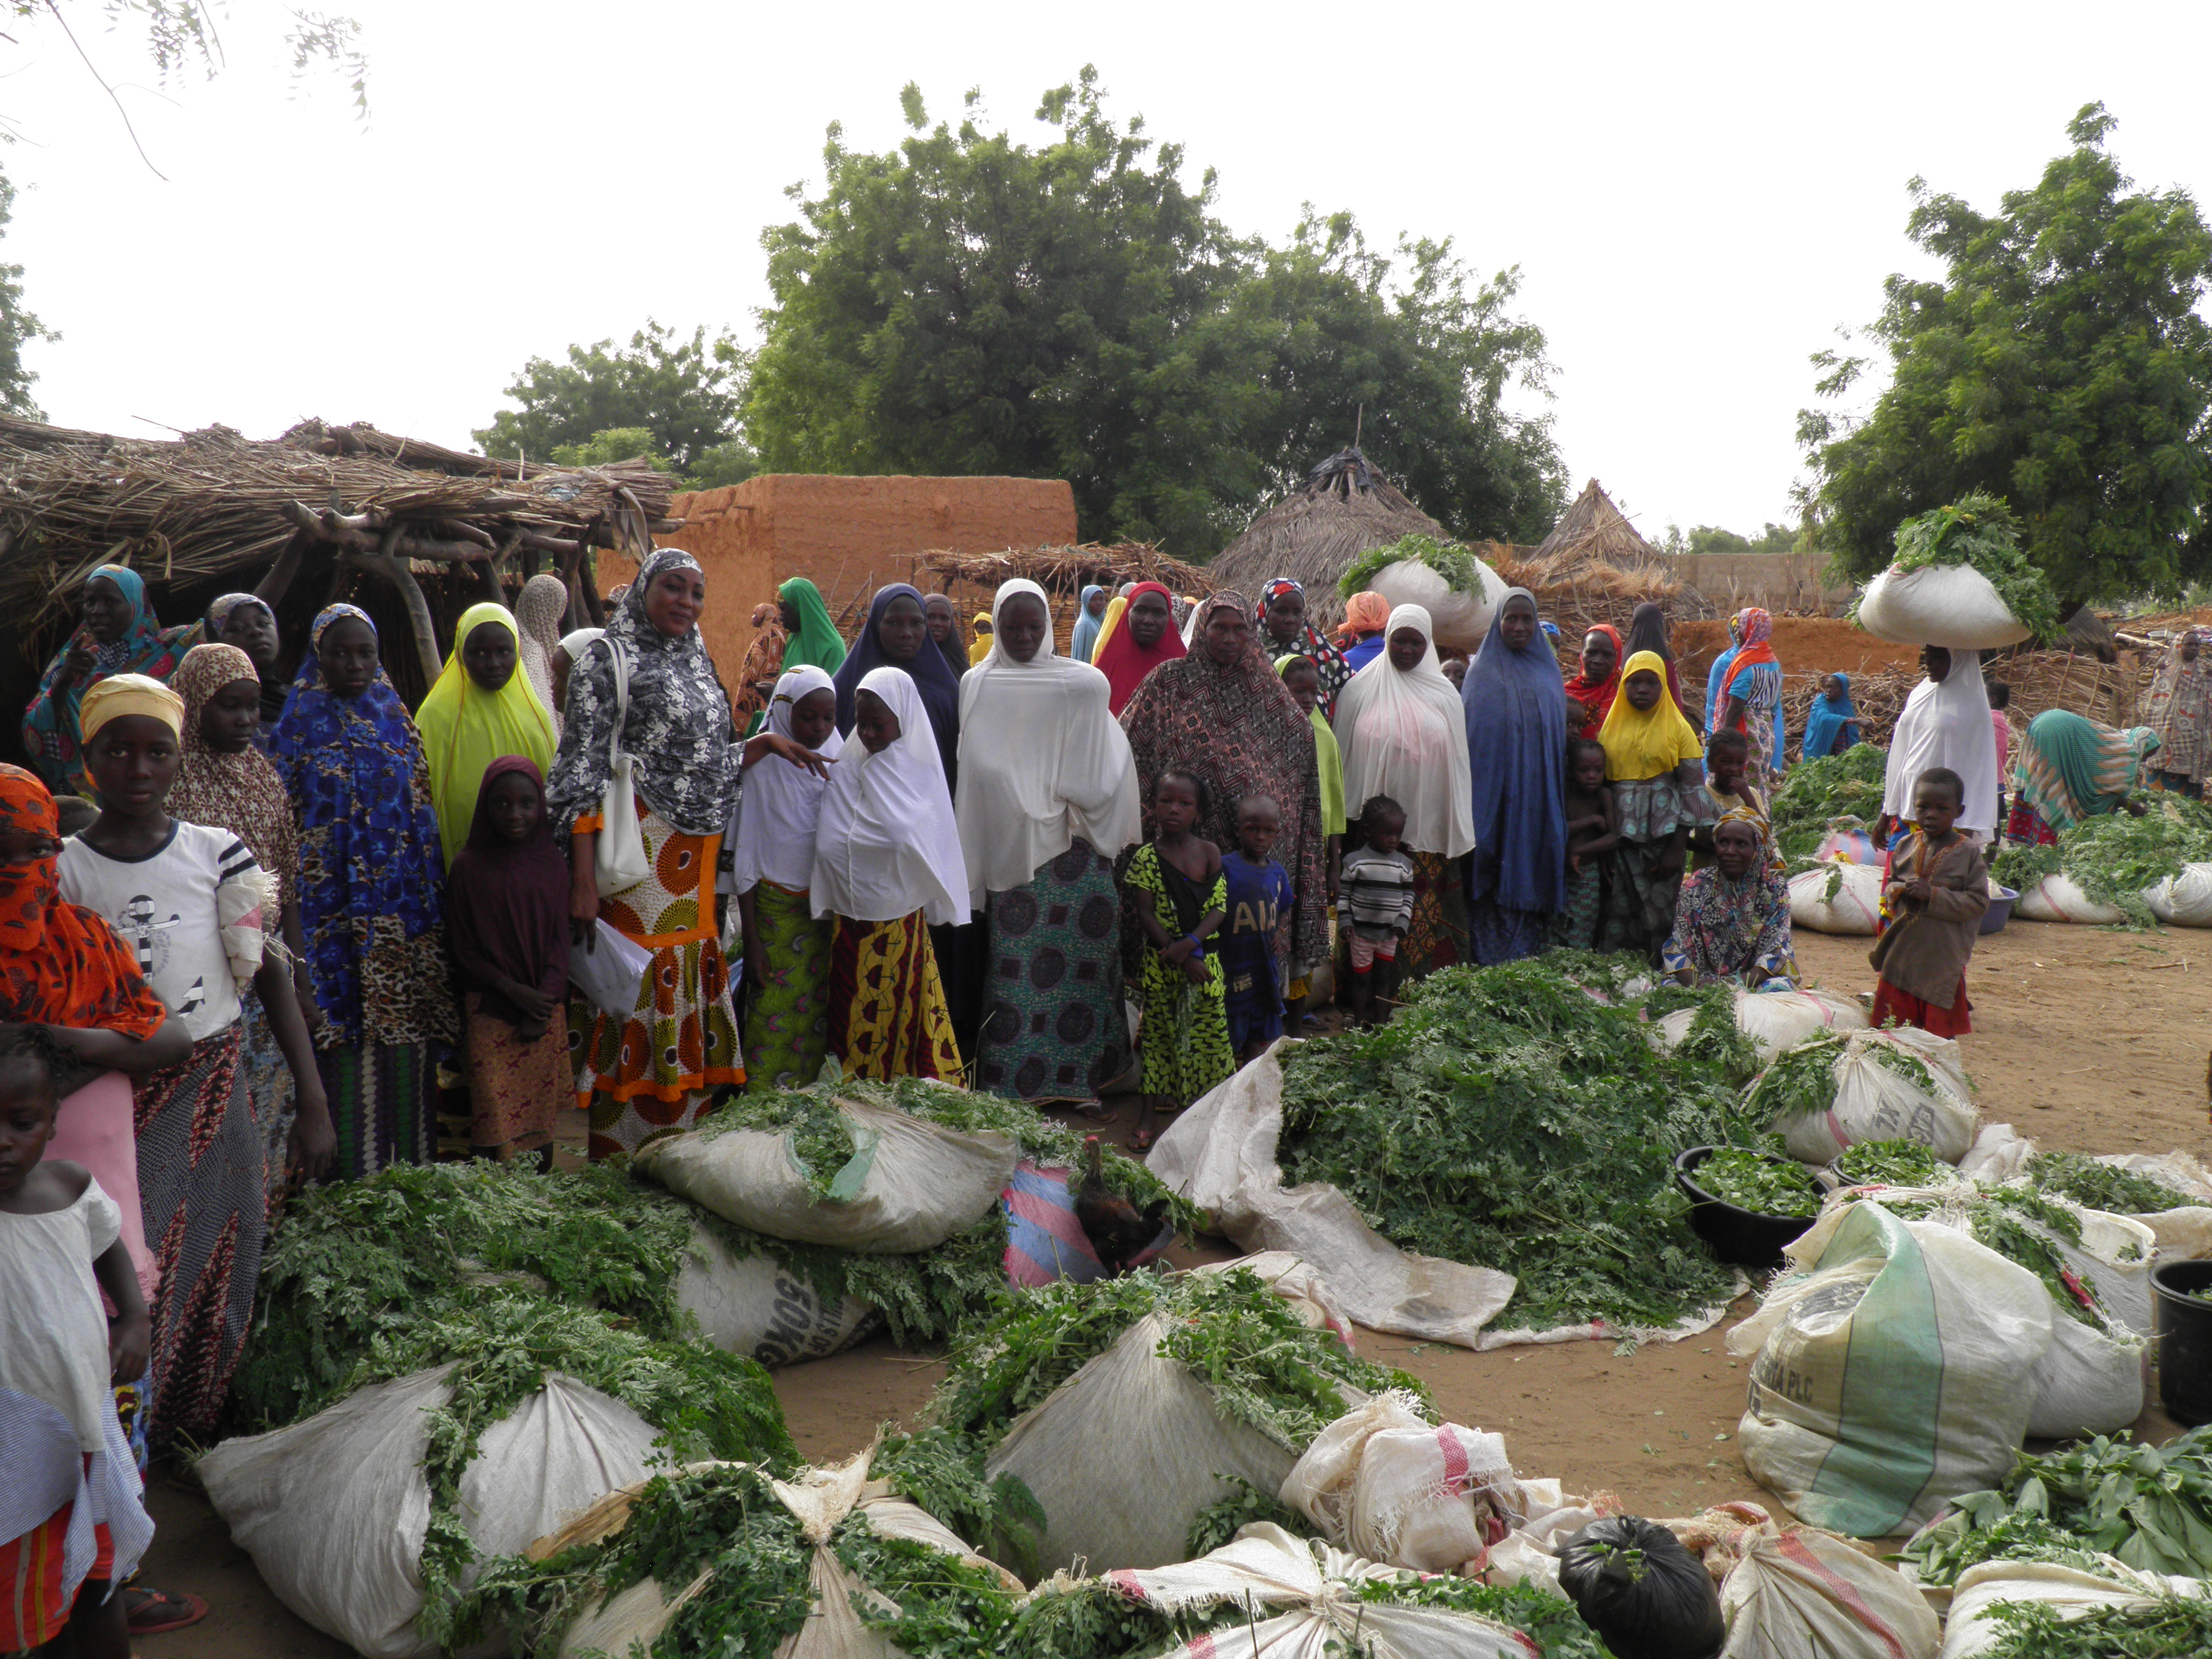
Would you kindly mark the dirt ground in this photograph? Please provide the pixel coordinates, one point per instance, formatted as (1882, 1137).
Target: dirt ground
(2086, 1039)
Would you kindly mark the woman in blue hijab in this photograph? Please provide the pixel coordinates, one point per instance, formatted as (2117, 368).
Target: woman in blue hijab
(1832, 723)
(896, 635)
(1516, 746)
(1089, 617)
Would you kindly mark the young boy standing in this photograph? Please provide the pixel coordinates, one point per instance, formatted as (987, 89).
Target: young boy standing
(1259, 893)
(1593, 831)
(1377, 892)
(1935, 888)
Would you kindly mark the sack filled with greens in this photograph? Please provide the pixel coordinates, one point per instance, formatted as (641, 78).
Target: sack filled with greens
(1960, 580)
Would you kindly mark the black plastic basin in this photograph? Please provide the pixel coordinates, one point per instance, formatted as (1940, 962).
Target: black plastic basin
(2184, 1339)
(1741, 1238)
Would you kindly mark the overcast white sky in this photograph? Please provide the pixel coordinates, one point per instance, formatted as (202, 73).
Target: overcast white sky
(1697, 195)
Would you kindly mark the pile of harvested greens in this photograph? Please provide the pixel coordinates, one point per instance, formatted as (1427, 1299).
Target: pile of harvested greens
(2102, 1186)
(2024, 1227)
(1740, 1177)
(1509, 1117)
(1981, 531)
(1843, 785)
(2111, 858)
(2163, 1627)
(1892, 1163)
(1801, 1083)
(2150, 1507)
(1448, 559)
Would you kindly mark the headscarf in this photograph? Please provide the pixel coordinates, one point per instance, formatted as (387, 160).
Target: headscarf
(2180, 711)
(2068, 768)
(817, 641)
(1361, 633)
(1241, 729)
(466, 728)
(119, 695)
(1945, 723)
(240, 793)
(1726, 926)
(1647, 631)
(763, 661)
(60, 963)
(1593, 698)
(372, 878)
(933, 679)
(1328, 755)
(1328, 661)
(678, 726)
(1641, 744)
(219, 609)
(1086, 635)
(956, 654)
(51, 724)
(1124, 662)
(1116, 607)
(1516, 712)
(783, 800)
(508, 902)
(1718, 675)
(1042, 761)
(980, 647)
(885, 845)
(538, 609)
(1825, 719)
(1404, 734)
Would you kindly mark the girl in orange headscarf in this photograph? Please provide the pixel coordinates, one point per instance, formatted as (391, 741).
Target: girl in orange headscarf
(1365, 616)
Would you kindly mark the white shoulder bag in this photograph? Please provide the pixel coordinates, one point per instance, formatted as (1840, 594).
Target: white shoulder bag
(619, 861)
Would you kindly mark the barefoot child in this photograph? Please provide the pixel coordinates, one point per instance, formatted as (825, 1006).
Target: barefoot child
(1378, 892)
(1259, 894)
(1935, 890)
(1592, 832)
(1175, 888)
(62, 1450)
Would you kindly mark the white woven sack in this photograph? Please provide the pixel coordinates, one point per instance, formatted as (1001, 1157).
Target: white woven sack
(2056, 898)
(1383, 1483)
(1308, 1590)
(2183, 901)
(1953, 605)
(910, 1185)
(1874, 1103)
(334, 1509)
(756, 1306)
(1970, 1630)
(1462, 620)
(1855, 908)
(1888, 1379)
(1800, 1593)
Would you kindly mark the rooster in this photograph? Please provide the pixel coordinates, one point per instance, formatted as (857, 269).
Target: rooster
(1123, 1234)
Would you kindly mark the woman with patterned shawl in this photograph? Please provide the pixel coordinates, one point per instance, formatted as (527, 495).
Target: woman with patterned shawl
(652, 1073)
(1732, 917)
(1597, 682)
(1752, 703)
(1279, 621)
(2067, 768)
(1222, 711)
(119, 634)
(2180, 711)
(371, 895)
(1516, 715)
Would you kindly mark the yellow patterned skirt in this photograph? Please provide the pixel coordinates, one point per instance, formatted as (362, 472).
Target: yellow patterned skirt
(888, 1014)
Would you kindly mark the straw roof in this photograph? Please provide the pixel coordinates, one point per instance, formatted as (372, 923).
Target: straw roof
(1343, 508)
(1593, 532)
(1070, 569)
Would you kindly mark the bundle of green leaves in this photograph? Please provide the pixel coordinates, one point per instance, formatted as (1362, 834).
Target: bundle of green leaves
(2102, 1186)
(2161, 1627)
(1981, 530)
(1521, 1118)
(1848, 785)
(2149, 1507)
(1801, 1081)
(1740, 1177)
(1892, 1163)
(1454, 563)
(2112, 857)
(2025, 1227)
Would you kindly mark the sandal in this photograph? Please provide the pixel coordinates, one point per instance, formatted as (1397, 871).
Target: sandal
(1141, 1142)
(1096, 1110)
(154, 1613)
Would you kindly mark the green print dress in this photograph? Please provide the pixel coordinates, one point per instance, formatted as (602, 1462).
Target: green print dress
(1185, 1031)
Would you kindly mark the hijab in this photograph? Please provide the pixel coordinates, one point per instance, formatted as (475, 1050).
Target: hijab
(466, 728)
(272, 689)
(1403, 731)
(1945, 723)
(51, 725)
(1757, 639)
(1042, 760)
(508, 902)
(1596, 696)
(2069, 768)
(1328, 661)
(1825, 719)
(240, 793)
(60, 963)
(980, 647)
(817, 641)
(677, 730)
(950, 647)
(1641, 744)
(538, 609)
(1086, 637)
(783, 800)
(1647, 631)
(886, 845)
(1123, 661)
(1116, 607)
(1723, 665)
(1516, 712)
(1361, 635)
(934, 681)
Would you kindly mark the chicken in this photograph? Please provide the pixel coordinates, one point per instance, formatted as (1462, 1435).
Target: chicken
(1118, 1231)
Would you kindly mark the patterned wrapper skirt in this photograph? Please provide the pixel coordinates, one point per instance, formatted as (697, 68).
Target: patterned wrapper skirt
(1576, 925)
(514, 1087)
(1639, 909)
(652, 1073)
(788, 1020)
(1052, 1027)
(268, 1084)
(1437, 937)
(205, 1201)
(384, 1105)
(887, 1015)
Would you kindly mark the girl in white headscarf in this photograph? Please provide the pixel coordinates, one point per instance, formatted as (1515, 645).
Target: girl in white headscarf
(1945, 722)
(1403, 731)
(1047, 799)
(887, 863)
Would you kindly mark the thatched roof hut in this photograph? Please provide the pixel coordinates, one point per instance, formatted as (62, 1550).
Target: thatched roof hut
(971, 580)
(1594, 532)
(1343, 508)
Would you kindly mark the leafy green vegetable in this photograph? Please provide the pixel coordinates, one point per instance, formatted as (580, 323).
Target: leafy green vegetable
(1551, 1620)
(1218, 1523)
(1801, 1081)
(2111, 858)
(1738, 1175)
(2167, 1627)
(1892, 1163)
(2024, 1227)
(1448, 559)
(1848, 785)
(1508, 1117)
(1981, 530)
(2150, 1507)
(2102, 1186)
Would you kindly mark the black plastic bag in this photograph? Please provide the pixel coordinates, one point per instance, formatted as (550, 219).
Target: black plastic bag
(1637, 1587)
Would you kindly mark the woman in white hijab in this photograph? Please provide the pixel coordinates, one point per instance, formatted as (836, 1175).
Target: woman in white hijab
(887, 863)
(1403, 731)
(1048, 801)
(1945, 722)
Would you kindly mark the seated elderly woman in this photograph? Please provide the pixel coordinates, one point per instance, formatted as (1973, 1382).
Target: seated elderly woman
(1732, 921)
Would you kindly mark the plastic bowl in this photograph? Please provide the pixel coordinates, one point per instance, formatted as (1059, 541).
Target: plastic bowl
(1742, 1239)
(2000, 910)
(2184, 1339)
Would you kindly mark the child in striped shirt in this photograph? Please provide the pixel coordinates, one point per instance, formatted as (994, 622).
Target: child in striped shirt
(1376, 894)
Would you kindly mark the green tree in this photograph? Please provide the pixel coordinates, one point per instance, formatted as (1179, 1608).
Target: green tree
(18, 327)
(2060, 362)
(1712, 539)
(684, 392)
(966, 304)
(620, 443)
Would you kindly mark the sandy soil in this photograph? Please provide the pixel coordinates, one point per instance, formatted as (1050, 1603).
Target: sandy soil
(2086, 1039)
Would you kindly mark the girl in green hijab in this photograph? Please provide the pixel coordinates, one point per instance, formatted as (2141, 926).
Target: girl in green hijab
(813, 637)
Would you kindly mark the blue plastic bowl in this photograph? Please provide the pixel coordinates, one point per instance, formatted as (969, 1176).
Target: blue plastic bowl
(2000, 911)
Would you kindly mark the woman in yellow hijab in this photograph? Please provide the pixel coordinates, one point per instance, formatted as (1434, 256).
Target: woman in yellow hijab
(1656, 770)
(479, 710)
(980, 647)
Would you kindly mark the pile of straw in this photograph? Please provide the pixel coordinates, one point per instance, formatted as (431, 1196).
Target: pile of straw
(1071, 570)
